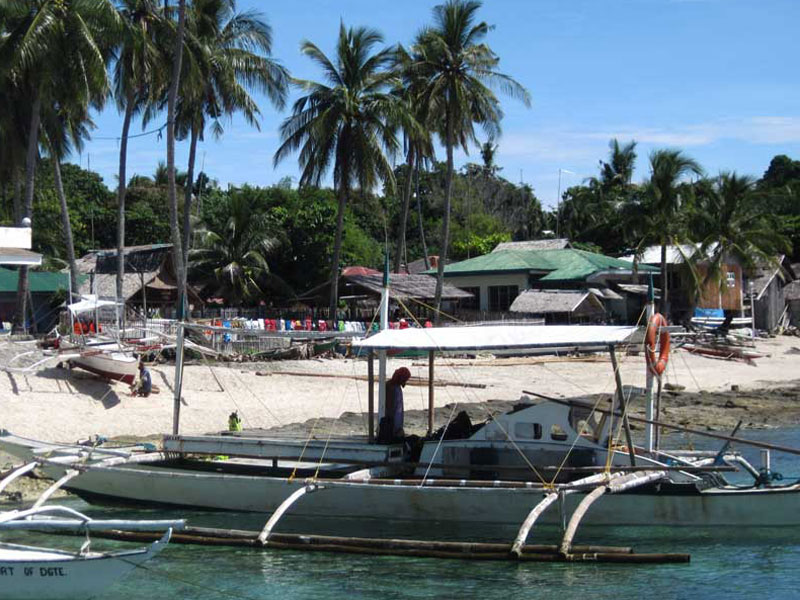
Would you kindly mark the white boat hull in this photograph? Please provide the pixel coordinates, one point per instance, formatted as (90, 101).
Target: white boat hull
(43, 574)
(117, 366)
(452, 504)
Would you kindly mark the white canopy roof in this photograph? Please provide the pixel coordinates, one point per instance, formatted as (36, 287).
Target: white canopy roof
(89, 303)
(496, 337)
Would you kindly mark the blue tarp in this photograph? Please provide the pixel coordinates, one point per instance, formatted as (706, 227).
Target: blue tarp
(709, 313)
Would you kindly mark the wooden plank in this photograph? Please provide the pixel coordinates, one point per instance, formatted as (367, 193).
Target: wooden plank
(415, 381)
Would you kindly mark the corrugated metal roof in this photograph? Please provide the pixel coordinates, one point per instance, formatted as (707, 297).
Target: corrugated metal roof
(45, 282)
(558, 265)
(553, 244)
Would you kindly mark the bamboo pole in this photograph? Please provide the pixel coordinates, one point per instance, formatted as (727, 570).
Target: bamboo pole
(415, 381)
(398, 547)
(621, 399)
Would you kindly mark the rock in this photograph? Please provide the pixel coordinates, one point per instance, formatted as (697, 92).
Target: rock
(674, 387)
(734, 388)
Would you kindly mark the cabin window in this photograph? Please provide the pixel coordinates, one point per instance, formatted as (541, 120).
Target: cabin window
(528, 431)
(471, 303)
(501, 297)
(557, 433)
(731, 278)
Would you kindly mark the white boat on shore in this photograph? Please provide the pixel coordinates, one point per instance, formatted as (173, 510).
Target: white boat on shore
(113, 364)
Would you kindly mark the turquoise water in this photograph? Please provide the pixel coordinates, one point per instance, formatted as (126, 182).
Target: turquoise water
(726, 563)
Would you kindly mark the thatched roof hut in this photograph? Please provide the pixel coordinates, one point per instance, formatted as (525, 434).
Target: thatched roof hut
(148, 273)
(557, 305)
(358, 284)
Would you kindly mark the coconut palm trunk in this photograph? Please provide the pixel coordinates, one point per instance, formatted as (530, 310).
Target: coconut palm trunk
(66, 226)
(337, 249)
(448, 189)
(419, 217)
(401, 233)
(121, 191)
(17, 196)
(175, 234)
(187, 196)
(23, 284)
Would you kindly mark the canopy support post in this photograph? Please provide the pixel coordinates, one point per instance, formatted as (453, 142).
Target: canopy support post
(621, 400)
(430, 392)
(371, 396)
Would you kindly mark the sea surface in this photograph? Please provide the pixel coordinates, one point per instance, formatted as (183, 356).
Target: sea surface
(725, 563)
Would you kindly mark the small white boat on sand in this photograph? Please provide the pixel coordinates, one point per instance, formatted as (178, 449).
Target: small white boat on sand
(116, 365)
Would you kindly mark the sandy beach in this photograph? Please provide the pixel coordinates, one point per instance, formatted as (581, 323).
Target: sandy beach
(325, 397)
(59, 404)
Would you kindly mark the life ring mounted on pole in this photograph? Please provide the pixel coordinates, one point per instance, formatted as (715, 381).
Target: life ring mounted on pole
(657, 327)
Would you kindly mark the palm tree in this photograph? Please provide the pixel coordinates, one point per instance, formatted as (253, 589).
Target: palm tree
(64, 130)
(231, 51)
(417, 140)
(234, 258)
(730, 219)
(657, 216)
(175, 234)
(138, 62)
(14, 113)
(459, 69)
(346, 124)
(618, 171)
(44, 36)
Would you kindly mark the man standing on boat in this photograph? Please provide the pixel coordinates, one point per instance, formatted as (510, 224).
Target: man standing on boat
(391, 425)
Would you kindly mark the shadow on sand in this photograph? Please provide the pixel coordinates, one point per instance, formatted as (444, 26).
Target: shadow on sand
(97, 388)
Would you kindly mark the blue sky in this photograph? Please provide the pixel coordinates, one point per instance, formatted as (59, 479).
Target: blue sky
(712, 77)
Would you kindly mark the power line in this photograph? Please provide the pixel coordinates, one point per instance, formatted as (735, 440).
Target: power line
(136, 135)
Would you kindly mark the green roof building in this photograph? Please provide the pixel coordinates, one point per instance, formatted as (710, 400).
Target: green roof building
(43, 284)
(497, 278)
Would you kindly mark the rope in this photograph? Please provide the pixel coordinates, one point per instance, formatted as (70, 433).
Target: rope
(436, 310)
(490, 415)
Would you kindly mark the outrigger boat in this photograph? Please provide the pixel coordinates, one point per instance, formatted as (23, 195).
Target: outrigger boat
(505, 473)
(36, 573)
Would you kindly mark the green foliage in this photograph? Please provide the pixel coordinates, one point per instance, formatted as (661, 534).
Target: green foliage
(485, 206)
(231, 258)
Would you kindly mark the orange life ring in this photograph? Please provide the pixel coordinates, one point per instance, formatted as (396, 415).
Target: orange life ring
(657, 325)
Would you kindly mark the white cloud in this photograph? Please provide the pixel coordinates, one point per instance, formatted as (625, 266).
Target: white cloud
(559, 145)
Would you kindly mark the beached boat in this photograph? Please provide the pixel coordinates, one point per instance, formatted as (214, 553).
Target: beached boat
(541, 454)
(113, 364)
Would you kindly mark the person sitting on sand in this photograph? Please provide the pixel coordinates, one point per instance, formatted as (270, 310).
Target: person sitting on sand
(144, 386)
(391, 425)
